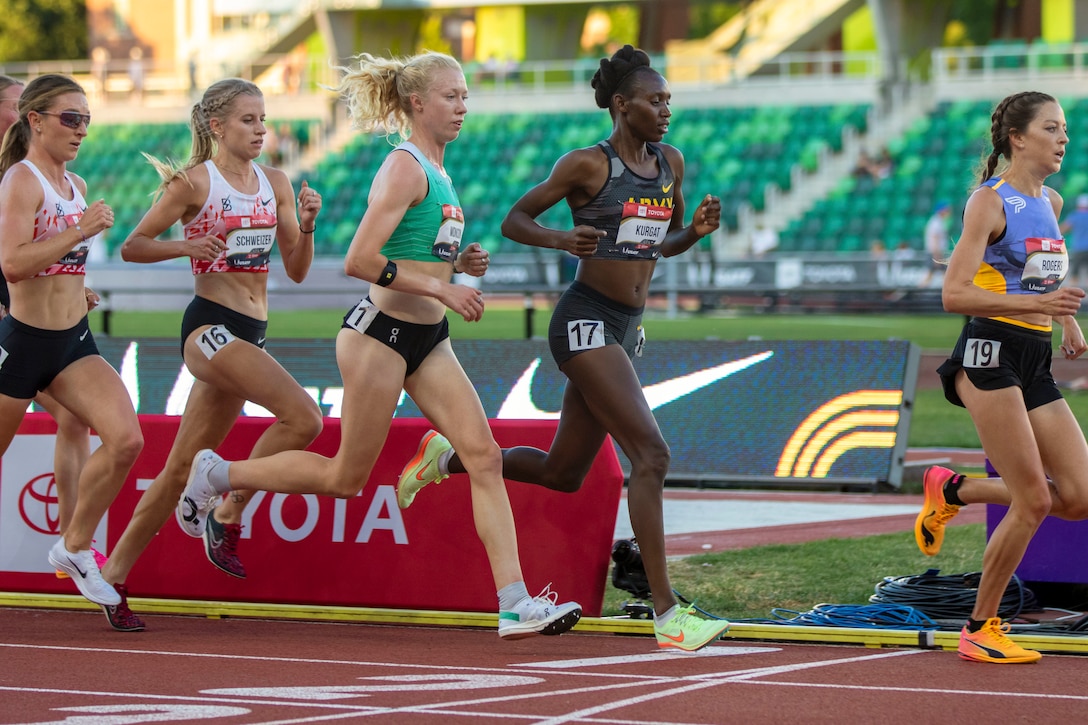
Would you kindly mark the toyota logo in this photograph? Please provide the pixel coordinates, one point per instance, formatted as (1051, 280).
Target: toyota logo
(39, 505)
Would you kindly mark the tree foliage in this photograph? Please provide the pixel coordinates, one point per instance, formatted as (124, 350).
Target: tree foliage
(43, 30)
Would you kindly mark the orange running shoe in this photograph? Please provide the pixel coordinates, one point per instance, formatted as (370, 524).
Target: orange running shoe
(936, 512)
(990, 644)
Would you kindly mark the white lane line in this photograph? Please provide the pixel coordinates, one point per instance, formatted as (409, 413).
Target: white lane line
(714, 680)
(718, 651)
(917, 690)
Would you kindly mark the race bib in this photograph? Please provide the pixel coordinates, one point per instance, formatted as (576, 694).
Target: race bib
(641, 342)
(248, 246)
(585, 334)
(77, 256)
(214, 339)
(450, 232)
(3, 356)
(361, 315)
(982, 353)
(1045, 266)
(643, 227)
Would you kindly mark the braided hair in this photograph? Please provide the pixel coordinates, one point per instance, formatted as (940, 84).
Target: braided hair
(217, 102)
(1014, 113)
(619, 75)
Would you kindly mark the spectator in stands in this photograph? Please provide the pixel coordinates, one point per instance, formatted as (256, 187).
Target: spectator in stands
(72, 447)
(882, 165)
(397, 337)
(937, 237)
(136, 72)
(596, 327)
(46, 230)
(233, 211)
(764, 241)
(1006, 272)
(1076, 226)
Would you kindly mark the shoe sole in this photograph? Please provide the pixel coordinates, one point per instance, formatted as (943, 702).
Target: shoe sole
(551, 629)
(920, 522)
(178, 515)
(1003, 661)
(408, 467)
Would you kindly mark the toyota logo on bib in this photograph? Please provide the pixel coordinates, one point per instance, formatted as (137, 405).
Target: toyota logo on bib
(39, 504)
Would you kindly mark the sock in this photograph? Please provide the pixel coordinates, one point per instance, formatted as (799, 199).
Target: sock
(219, 476)
(660, 620)
(511, 594)
(974, 625)
(444, 462)
(952, 490)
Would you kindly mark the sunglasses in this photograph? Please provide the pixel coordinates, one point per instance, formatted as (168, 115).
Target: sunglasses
(71, 119)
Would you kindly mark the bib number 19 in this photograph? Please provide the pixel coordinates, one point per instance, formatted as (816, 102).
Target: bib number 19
(982, 353)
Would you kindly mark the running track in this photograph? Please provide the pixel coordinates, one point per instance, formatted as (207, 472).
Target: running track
(65, 666)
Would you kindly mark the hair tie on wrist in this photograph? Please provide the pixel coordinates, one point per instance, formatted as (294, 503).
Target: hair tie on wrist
(307, 231)
(80, 230)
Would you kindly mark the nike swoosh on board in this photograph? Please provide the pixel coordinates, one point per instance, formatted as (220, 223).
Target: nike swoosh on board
(519, 401)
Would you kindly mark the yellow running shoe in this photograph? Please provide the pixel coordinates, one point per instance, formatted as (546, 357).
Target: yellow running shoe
(936, 512)
(423, 468)
(687, 632)
(990, 644)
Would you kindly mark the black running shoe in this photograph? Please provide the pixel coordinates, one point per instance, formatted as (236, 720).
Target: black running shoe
(120, 616)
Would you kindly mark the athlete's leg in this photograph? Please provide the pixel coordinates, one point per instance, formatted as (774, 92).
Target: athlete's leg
(613, 394)
(373, 376)
(1005, 431)
(446, 397)
(72, 449)
(209, 416)
(92, 390)
(563, 467)
(12, 411)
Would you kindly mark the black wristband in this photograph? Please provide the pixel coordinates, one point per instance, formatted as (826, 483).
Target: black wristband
(307, 231)
(388, 274)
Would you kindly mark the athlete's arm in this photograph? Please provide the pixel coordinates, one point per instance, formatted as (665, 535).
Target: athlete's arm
(20, 257)
(707, 215)
(181, 200)
(576, 177)
(296, 248)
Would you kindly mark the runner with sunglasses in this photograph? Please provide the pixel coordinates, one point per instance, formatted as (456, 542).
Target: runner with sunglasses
(46, 231)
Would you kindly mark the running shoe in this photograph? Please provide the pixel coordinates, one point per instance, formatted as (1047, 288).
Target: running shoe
(423, 468)
(120, 616)
(99, 558)
(935, 513)
(687, 632)
(199, 498)
(221, 546)
(539, 615)
(83, 570)
(990, 644)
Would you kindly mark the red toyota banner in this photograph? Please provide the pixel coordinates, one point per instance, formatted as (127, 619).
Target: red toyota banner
(308, 549)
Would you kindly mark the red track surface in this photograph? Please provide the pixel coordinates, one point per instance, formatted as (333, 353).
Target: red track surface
(58, 665)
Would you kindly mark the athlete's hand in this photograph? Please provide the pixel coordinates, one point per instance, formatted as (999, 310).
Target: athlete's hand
(93, 299)
(465, 301)
(708, 215)
(204, 249)
(581, 241)
(1073, 343)
(309, 205)
(1062, 302)
(473, 260)
(96, 218)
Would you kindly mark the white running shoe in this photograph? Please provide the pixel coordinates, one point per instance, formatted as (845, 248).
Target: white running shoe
(199, 497)
(83, 570)
(539, 615)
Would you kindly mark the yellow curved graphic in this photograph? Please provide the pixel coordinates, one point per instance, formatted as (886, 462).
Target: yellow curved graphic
(828, 432)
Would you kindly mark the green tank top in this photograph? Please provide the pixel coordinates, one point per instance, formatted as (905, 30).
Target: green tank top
(433, 228)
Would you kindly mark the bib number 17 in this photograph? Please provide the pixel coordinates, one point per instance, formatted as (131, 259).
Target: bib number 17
(585, 334)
